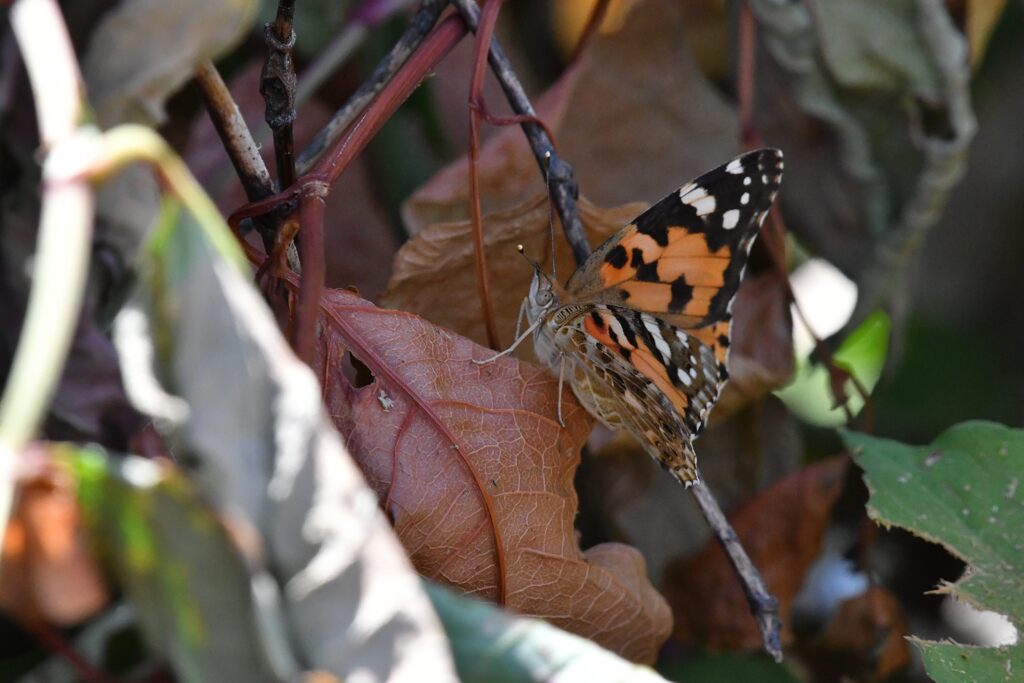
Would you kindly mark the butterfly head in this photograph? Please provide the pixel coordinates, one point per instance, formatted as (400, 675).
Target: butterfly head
(543, 294)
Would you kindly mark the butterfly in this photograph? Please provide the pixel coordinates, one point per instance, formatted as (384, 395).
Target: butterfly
(642, 328)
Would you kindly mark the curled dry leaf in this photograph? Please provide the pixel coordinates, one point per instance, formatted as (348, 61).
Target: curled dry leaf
(476, 473)
(439, 261)
(48, 573)
(782, 529)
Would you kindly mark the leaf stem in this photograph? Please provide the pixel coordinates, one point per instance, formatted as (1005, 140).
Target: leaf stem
(63, 242)
(558, 172)
(489, 17)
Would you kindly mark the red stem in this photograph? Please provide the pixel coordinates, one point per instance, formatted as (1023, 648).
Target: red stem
(311, 254)
(485, 30)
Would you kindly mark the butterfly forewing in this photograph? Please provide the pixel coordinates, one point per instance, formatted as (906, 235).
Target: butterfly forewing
(684, 257)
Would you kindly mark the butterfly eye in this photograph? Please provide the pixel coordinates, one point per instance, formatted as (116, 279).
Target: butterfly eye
(543, 297)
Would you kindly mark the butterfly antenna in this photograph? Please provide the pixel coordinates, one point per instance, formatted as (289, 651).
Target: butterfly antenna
(551, 214)
(536, 266)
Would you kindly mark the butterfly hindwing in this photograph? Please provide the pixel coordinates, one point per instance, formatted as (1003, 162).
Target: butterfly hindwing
(634, 370)
(684, 257)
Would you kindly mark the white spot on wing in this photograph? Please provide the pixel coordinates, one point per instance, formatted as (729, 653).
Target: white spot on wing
(730, 218)
(681, 336)
(705, 205)
(692, 193)
(684, 378)
(613, 323)
(745, 199)
(746, 181)
(659, 341)
(735, 167)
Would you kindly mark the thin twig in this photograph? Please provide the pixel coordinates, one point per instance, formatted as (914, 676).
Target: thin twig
(763, 604)
(277, 85)
(243, 152)
(333, 163)
(328, 169)
(745, 77)
(234, 133)
(419, 27)
(483, 37)
(561, 184)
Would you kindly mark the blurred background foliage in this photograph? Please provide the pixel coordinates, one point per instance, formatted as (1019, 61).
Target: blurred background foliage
(936, 329)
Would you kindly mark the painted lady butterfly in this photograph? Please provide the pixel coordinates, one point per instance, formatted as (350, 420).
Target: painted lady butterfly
(643, 327)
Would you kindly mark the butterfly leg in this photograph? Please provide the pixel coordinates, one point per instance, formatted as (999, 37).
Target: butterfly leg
(517, 342)
(519, 319)
(561, 380)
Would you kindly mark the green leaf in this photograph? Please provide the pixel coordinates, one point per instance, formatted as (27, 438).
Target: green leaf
(713, 668)
(492, 646)
(962, 491)
(862, 354)
(175, 562)
(201, 353)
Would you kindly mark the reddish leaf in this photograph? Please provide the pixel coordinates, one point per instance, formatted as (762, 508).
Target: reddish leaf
(47, 571)
(782, 529)
(476, 473)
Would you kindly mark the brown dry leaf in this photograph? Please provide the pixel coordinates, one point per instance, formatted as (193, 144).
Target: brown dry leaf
(867, 638)
(438, 263)
(471, 458)
(761, 357)
(643, 119)
(782, 530)
(46, 572)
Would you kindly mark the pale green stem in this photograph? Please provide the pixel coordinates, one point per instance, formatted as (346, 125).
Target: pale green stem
(63, 244)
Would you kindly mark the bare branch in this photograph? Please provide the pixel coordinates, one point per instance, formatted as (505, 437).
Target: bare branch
(234, 133)
(277, 85)
(242, 150)
(763, 604)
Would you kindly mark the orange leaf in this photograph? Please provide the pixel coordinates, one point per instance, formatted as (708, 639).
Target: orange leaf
(47, 573)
